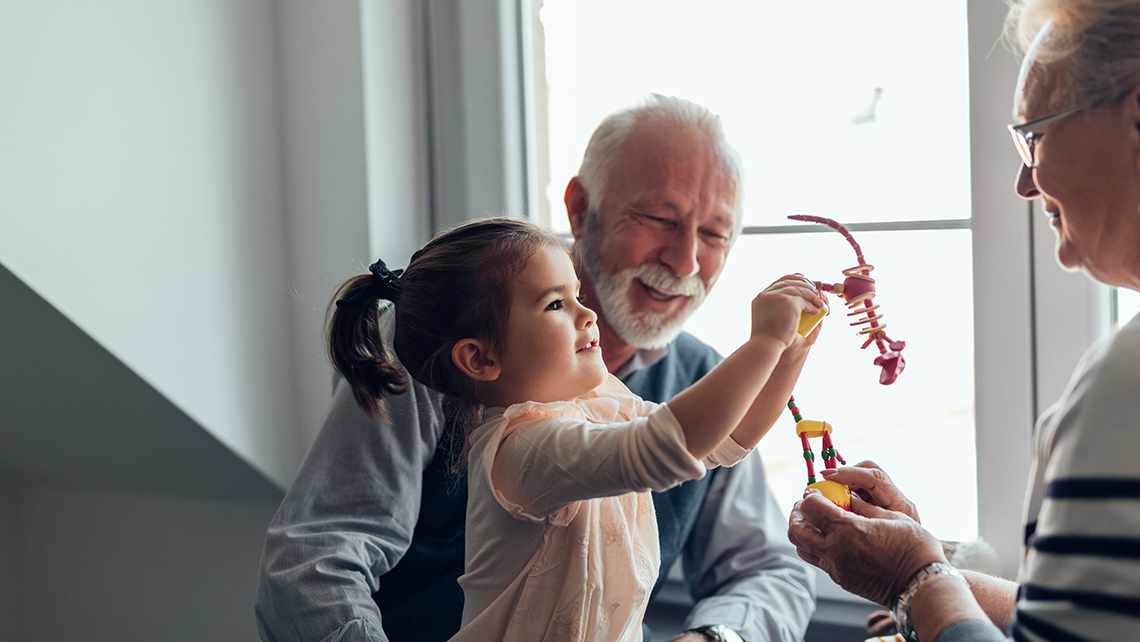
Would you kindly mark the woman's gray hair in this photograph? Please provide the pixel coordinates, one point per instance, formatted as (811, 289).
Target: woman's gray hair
(597, 162)
(1097, 42)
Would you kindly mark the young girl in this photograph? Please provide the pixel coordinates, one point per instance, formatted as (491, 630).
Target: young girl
(561, 537)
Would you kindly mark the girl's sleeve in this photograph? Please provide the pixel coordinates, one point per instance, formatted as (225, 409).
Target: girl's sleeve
(728, 453)
(543, 466)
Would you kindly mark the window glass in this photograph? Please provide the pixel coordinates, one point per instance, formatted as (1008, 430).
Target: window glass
(921, 428)
(1127, 305)
(837, 117)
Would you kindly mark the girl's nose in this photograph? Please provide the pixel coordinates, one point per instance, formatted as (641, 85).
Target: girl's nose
(588, 317)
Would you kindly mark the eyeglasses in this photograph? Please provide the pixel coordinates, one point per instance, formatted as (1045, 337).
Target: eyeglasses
(1025, 139)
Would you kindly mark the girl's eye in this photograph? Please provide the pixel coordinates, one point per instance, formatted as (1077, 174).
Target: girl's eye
(555, 305)
(581, 299)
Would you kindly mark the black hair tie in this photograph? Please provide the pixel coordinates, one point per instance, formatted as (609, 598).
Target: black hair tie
(385, 285)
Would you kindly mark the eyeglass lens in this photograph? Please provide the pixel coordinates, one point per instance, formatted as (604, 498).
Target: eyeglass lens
(1024, 147)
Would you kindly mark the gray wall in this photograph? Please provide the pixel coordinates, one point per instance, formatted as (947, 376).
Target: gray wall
(8, 547)
(114, 566)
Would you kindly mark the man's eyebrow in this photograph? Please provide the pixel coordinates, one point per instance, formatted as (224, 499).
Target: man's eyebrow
(646, 203)
(725, 218)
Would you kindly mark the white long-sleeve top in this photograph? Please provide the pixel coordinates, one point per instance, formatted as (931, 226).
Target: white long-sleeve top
(561, 529)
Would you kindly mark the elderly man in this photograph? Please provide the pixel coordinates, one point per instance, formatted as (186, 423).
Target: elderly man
(368, 543)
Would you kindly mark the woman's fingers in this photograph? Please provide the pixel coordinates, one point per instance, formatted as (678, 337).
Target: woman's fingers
(872, 484)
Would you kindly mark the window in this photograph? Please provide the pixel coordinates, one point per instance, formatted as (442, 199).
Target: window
(843, 122)
(929, 178)
(1126, 304)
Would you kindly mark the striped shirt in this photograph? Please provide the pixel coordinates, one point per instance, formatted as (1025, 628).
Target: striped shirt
(1080, 576)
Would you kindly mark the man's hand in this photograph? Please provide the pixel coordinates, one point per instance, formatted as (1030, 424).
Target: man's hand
(874, 486)
(871, 552)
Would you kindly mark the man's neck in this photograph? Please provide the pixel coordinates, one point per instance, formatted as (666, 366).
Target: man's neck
(615, 352)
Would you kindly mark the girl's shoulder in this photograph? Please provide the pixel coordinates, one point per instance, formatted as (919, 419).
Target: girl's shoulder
(610, 402)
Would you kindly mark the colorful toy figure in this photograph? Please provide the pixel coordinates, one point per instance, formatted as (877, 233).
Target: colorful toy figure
(858, 291)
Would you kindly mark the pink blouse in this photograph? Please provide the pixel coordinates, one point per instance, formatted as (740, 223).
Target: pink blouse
(561, 531)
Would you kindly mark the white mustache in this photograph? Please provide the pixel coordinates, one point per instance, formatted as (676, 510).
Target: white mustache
(663, 280)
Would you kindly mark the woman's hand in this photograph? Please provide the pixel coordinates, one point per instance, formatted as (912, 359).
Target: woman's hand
(874, 486)
(871, 552)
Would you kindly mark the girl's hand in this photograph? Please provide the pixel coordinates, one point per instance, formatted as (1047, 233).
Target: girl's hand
(776, 311)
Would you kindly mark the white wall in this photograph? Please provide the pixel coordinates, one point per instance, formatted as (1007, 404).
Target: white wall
(355, 185)
(118, 567)
(1003, 320)
(140, 193)
(322, 124)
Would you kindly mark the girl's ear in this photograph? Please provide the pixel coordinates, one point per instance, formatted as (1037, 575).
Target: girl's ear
(473, 360)
(1133, 115)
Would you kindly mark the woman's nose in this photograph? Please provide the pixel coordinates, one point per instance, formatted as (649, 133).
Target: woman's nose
(1023, 184)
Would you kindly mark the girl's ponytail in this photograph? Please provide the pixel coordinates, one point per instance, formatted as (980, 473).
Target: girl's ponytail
(356, 348)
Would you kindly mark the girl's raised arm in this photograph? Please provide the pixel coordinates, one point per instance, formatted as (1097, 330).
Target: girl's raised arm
(728, 399)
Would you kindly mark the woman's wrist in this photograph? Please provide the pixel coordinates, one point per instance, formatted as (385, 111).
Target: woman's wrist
(941, 601)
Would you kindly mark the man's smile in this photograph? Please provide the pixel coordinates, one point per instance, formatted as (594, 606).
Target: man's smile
(656, 294)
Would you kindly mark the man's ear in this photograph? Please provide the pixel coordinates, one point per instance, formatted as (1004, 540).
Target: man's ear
(577, 206)
(473, 360)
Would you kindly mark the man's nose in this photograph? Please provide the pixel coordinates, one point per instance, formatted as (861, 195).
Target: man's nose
(1023, 184)
(680, 253)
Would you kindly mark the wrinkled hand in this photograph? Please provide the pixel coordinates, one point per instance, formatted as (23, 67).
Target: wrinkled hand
(776, 311)
(871, 552)
(874, 486)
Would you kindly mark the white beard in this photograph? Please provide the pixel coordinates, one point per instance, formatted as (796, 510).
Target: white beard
(644, 329)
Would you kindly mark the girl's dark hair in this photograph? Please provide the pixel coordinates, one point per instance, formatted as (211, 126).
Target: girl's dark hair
(455, 287)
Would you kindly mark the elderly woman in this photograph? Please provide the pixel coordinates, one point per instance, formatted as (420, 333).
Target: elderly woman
(1078, 101)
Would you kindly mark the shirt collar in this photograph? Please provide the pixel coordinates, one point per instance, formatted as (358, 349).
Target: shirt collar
(641, 360)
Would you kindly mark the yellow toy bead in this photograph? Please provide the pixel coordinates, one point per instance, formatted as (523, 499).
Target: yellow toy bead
(812, 428)
(809, 321)
(838, 493)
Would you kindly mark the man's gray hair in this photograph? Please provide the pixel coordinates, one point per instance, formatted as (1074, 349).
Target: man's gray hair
(1096, 41)
(597, 163)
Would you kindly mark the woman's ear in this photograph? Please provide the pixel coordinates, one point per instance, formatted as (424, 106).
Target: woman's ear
(474, 360)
